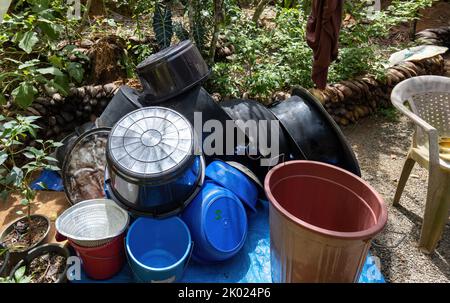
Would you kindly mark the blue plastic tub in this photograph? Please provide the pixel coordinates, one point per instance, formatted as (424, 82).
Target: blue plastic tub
(234, 180)
(158, 250)
(218, 223)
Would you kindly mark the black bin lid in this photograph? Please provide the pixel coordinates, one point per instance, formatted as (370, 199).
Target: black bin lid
(171, 71)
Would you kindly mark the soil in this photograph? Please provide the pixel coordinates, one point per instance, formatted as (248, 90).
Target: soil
(22, 236)
(381, 144)
(46, 268)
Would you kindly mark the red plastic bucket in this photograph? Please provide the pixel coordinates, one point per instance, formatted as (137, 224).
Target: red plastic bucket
(322, 221)
(102, 262)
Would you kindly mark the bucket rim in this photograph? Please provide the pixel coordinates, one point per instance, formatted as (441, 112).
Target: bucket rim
(356, 235)
(159, 269)
(104, 201)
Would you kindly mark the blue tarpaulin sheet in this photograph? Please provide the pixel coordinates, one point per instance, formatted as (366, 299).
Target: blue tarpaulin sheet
(250, 265)
(50, 179)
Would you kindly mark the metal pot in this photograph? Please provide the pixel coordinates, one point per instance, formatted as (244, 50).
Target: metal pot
(152, 166)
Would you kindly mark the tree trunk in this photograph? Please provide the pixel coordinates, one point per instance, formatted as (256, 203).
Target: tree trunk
(93, 8)
(97, 8)
(218, 17)
(259, 10)
(191, 20)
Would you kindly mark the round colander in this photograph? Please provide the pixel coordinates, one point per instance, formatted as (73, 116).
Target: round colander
(93, 222)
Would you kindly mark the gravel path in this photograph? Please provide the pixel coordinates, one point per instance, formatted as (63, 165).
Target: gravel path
(381, 145)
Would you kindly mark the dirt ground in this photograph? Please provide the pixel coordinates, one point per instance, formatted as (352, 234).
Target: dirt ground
(381, 145)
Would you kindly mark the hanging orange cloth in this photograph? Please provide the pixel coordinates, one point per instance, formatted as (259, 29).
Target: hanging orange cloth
(322, 35)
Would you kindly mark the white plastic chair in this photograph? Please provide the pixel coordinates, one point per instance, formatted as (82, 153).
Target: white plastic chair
(428, 98)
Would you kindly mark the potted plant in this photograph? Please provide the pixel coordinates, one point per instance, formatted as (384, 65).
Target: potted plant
(4, 259)
(19, 163)
(20, 277)
(44, 264)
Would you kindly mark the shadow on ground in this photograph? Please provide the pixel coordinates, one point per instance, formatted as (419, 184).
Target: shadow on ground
(381, 145)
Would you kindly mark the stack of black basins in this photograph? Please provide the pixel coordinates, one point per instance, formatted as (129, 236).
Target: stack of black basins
(173, 78)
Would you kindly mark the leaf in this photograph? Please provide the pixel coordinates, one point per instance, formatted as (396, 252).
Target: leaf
(57, 144)
(162, 25)
(50, 30)
(24, 202)
(2, 99)
(61, 83)
(3, 156)
(19, 212)
(199, 33)
(50, 159)
(56, 61)
(50, 71)
(16, 175)
(31, 118)
(26, 279)
(52, 167)
(76, 71)
(24, 94)
(180, 31)
(29, 63)
(28, 41)
(20, 273)
(42, 185)
(29, 155)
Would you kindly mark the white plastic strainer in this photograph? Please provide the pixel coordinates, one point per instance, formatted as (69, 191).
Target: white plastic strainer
(93, 222)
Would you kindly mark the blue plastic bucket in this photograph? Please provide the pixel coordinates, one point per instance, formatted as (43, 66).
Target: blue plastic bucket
(158, 250)
(234, 180)
(218, 223)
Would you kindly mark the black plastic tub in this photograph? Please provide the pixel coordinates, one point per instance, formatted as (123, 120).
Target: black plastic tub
(249, 110)
(84, 165)
(171, 72)
(123, 102)
(314, 131)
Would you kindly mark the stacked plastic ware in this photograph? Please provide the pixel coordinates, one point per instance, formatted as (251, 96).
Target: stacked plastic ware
(95, 229)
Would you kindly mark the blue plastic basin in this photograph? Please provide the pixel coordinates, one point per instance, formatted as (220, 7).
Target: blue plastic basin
(218, 223)
(234, 180)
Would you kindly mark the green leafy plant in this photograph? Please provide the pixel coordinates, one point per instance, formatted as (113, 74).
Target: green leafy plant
(277, 57)
(19, 277)
(162, 25)
(15, 177)
(29, 53)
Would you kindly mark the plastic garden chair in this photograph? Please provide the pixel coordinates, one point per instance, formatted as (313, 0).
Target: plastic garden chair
(428, 98)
